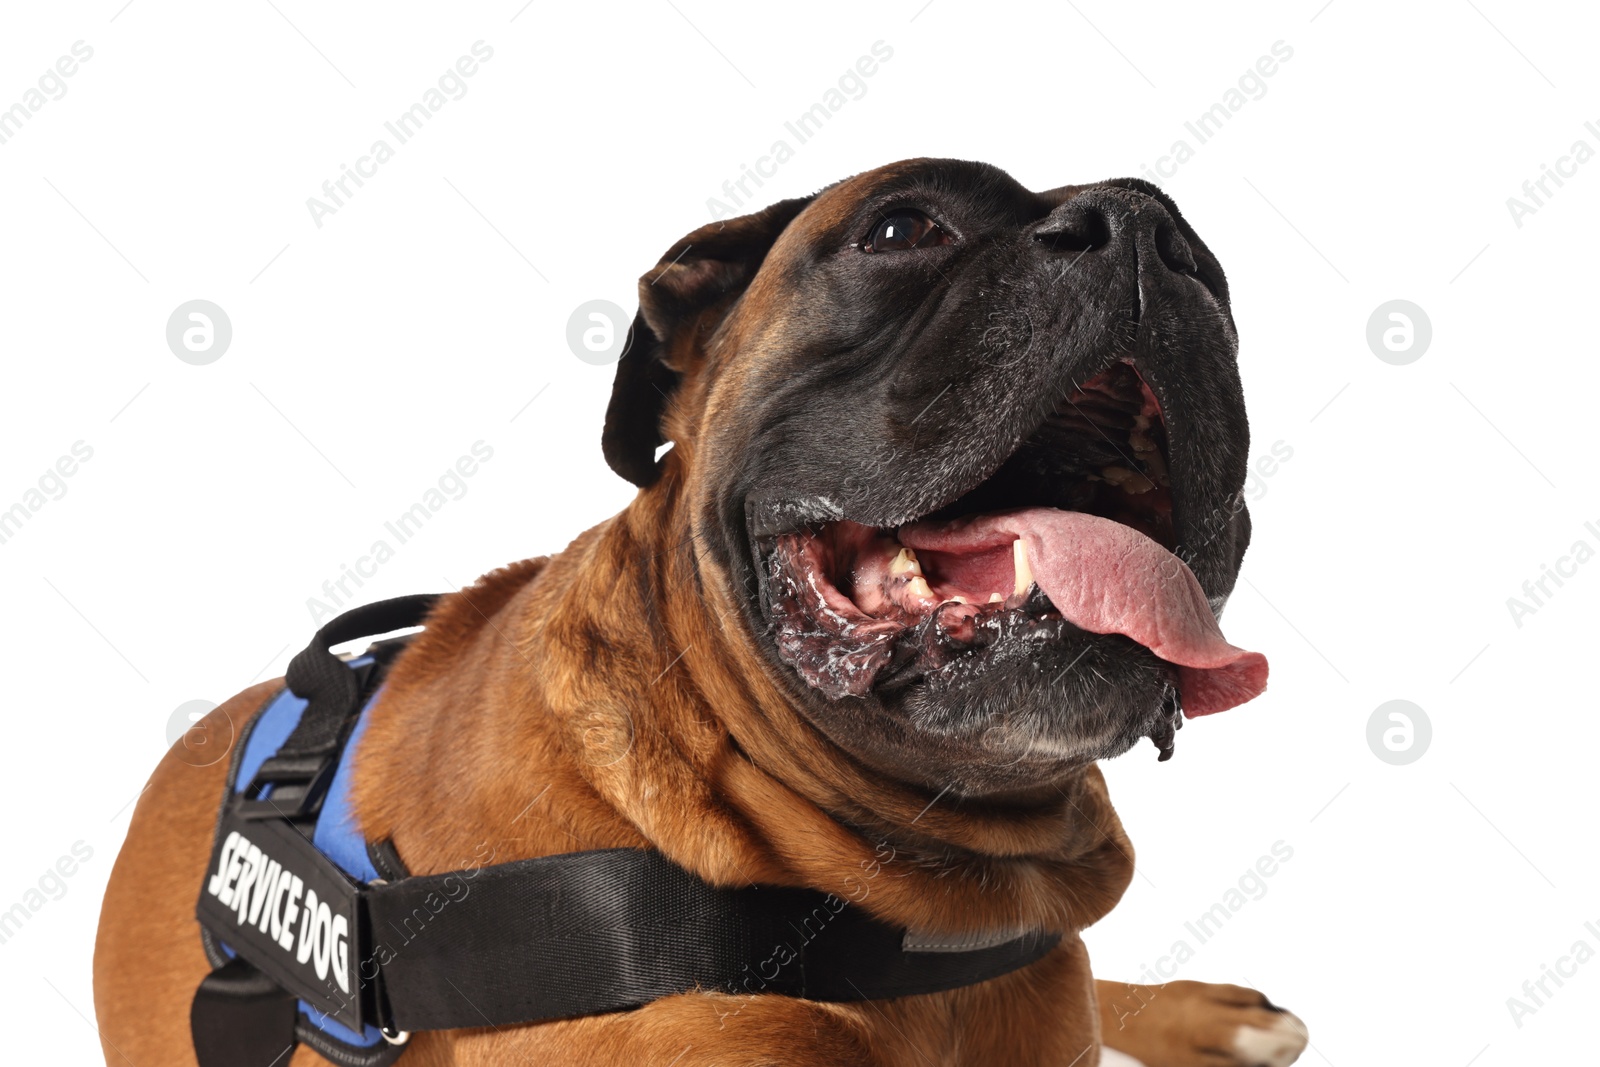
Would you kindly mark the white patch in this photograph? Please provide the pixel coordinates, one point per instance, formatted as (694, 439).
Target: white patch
(1110, 1057)
(1278, 1046)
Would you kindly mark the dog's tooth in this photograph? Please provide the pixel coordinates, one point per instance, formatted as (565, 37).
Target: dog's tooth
(1128, 481)
(996, 598)
(960, 599)
(905, 562)
(1024, 569)
(918, 586)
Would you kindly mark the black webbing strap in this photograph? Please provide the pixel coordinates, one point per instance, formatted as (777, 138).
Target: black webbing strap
(298, 773)
(608, 930)
(521, 942)
(241, 1018)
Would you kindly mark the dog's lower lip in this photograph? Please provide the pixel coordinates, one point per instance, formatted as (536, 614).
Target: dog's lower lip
(892, 626)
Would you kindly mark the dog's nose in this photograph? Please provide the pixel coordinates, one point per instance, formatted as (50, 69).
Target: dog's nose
(1115, 218)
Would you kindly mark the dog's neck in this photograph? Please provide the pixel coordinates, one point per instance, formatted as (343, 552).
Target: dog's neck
(619, 700)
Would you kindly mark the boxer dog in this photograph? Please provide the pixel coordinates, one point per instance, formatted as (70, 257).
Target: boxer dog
(953, 493)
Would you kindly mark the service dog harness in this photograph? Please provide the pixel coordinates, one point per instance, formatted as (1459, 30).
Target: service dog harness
(321, 937)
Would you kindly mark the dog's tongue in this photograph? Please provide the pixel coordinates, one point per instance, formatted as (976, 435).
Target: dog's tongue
(1105, 577)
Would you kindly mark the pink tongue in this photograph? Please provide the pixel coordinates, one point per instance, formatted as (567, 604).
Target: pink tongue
(1105, 577)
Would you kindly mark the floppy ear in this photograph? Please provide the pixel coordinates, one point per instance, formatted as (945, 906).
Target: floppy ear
(705, 271)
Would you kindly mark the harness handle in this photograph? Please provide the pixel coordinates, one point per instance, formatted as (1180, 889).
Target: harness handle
(291, 783)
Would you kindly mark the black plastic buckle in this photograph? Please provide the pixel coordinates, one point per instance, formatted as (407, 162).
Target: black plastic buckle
(288, 787)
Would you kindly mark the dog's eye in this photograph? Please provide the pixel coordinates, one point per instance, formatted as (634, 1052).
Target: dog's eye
(903, 230)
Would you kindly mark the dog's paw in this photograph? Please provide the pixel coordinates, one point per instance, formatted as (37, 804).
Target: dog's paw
(1277, 1044)
(1233, 1026)
(1195, 1024)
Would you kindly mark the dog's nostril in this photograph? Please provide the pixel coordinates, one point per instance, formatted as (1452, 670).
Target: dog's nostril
(1174, 250)
(1080, 232)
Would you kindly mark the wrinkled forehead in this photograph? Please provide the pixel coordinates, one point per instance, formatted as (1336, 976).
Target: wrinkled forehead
(969, 200)
(964, 196)
(959, 192)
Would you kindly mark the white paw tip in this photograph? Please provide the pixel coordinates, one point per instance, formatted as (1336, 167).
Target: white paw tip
(1278, 1046)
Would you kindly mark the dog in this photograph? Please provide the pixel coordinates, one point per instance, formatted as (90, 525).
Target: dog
(940, 487)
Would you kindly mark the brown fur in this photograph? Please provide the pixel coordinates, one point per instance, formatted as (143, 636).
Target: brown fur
(613, 696)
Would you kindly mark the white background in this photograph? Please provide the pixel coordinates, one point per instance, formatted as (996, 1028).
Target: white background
(368, 354)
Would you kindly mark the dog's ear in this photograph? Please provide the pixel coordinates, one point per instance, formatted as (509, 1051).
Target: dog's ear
(704, 272)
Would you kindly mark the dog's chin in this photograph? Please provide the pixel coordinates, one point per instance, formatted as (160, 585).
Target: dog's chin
(1018, 721)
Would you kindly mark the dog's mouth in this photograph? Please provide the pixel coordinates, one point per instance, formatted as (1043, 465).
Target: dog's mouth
(1072, 535)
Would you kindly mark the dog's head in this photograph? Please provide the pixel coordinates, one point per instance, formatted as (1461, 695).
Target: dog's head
(969, 460)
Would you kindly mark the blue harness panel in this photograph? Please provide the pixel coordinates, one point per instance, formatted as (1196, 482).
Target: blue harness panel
(336, 835)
